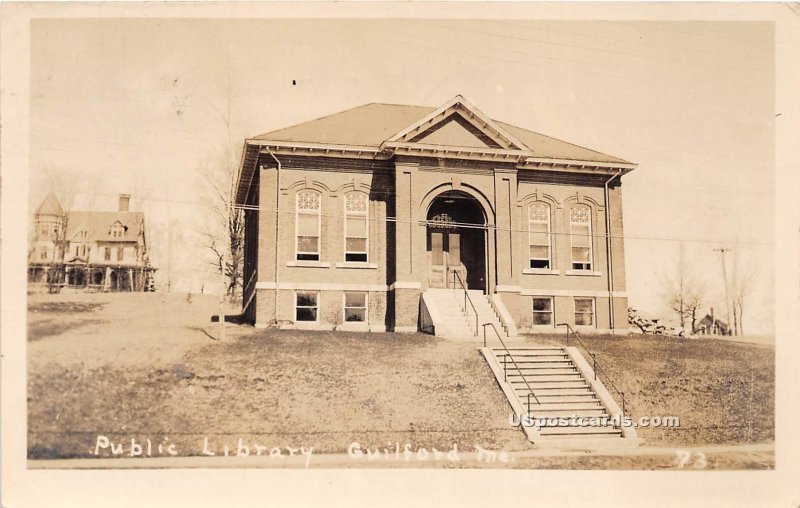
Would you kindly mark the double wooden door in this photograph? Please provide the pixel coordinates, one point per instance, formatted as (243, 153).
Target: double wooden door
(445, 258)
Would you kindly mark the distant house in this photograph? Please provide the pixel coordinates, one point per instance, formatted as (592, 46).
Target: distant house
(375, 217)
(104, 251)
(710, 325)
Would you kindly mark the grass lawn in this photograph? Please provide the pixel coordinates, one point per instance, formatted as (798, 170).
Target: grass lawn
(273, 388)
(146, 366)
(723, 391)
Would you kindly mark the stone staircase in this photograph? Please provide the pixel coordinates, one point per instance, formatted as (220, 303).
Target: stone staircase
(446, 308)
(564, 387)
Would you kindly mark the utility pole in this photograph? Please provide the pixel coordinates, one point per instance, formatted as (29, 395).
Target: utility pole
(722, 251)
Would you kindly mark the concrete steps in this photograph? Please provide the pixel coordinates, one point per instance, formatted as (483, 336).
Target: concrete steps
(450, 320)
(562, 394)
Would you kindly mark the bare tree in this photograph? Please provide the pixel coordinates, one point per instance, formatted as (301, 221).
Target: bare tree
(694, 302)
(64, 187)
(743, 274)
(684, 292)
(224, 232)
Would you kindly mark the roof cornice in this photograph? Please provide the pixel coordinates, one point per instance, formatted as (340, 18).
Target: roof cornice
(524, 159)
(456, 152)
(459, 105)
(317, 149)
(573, 165)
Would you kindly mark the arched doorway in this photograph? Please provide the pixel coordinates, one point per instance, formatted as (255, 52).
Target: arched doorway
(456, 241)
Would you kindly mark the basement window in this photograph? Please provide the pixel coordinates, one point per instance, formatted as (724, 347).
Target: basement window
(543, 311)
(355, 306)
(584, 311)
(306, 305)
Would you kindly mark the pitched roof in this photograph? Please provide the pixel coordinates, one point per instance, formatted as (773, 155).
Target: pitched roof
(50, 206)
(552, 148)
(367, 125)
(372, 124)
(98, 225)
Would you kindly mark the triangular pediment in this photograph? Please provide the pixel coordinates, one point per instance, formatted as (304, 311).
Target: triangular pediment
(460, 124)
(455, 130)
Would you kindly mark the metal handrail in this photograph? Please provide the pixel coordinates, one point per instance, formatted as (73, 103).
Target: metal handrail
(466, 299)
(499, 317)
(595, 365)
(505, 371)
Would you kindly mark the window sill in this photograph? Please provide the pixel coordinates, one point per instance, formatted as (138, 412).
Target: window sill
(357, 264)
(309, 264)
(357, 326)
(585, 273)
(540, 271)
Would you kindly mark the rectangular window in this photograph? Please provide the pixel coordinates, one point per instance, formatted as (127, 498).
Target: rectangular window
(43, 253)
(543, 311)
(306, 305)
(539, 235)
(355, 307)
(584, 311)
(308, 226)
(581, 238)
(107, 254)
(356, 227)
(120, 253)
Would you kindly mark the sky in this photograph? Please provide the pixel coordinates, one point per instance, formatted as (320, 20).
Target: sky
(139, 106)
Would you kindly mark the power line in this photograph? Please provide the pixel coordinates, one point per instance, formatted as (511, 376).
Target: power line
(573, 46)
(461, 225)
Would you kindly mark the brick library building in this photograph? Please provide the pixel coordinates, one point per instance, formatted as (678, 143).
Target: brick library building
(406, 218)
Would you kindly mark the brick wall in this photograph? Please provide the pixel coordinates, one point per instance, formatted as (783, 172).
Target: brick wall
(397, 250)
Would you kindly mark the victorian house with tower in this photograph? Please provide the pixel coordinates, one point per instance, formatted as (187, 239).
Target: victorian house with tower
(404, 218)
(88, 250)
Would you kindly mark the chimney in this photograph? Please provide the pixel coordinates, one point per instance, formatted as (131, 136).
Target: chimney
(124, 202)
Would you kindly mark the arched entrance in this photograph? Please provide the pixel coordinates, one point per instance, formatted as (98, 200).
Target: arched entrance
(456, 241)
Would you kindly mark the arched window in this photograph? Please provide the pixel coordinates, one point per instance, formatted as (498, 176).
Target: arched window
(309, 209)
(539, 235)
(356, 227)
(580, 233)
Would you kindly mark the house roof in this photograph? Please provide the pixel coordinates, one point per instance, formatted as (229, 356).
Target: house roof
(50, 206)
(372, 124)
(707, 321)
(367, 125)
(456, 129)
(98, 225)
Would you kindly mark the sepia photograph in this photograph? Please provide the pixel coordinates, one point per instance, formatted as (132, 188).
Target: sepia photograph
(399, 242)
